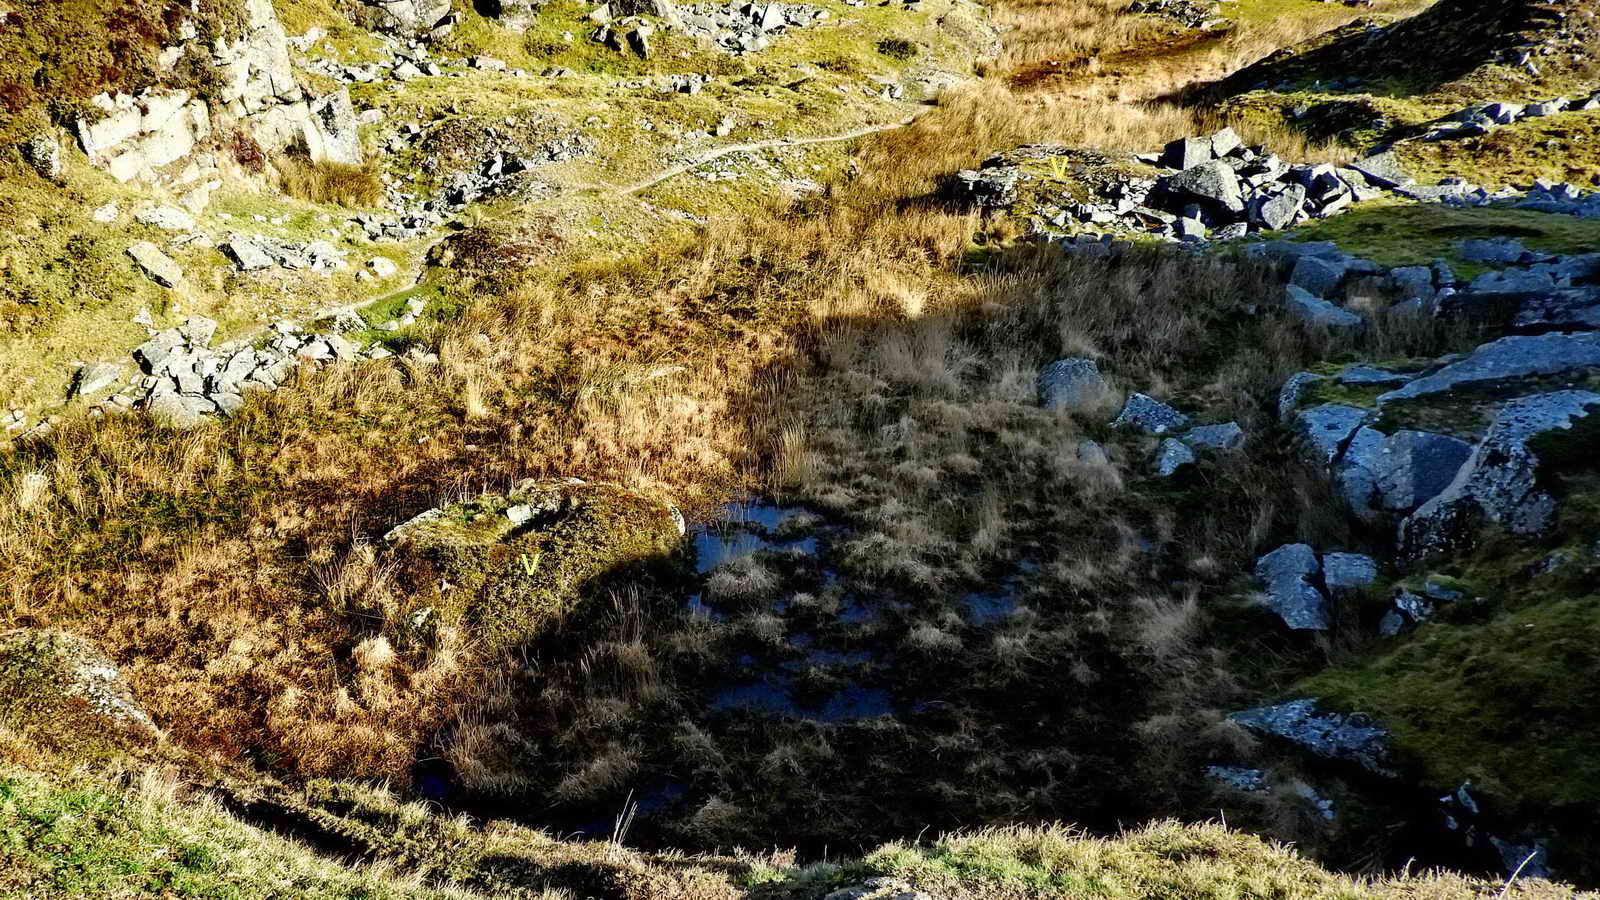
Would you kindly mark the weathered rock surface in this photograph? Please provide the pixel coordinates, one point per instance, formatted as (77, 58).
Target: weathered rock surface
(60, 690)
(1397, 473)
(1345, 573)
(1499, 482)
(1290, 574)
(1071, 384)
(1226, 436)
(1328, 428)
(1315, 311)
(1508, 359)
(1149, 415)
(1350, 738)
(156, 266)
(1171, 456)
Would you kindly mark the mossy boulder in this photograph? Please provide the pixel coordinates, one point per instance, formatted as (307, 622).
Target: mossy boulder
(60, 692)
(507, 566)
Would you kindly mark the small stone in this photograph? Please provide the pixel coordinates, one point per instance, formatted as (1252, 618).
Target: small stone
(1172, 456)
(1071, 384)
(1147, 414)
(1227, 436)
(156, 266)
(1314, 310)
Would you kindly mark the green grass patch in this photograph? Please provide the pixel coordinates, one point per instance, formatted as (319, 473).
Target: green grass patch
(1397, 233)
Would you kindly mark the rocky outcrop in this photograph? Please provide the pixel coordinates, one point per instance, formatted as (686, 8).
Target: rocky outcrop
(403, 18)
(1395, 474)
(136, 136)
(1507, 359)
(143, 137)
(1330, 735)
(1500, 481)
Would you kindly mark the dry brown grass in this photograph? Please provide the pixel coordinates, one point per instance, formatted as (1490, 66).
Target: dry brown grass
(230, 570)
(329, 182)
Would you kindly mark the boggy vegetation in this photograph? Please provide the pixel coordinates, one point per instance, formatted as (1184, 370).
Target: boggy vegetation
(858, 356)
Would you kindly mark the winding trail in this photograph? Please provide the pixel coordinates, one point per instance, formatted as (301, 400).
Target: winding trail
(720, 152)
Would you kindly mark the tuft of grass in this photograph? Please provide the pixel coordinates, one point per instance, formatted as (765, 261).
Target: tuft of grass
(330, 182)
(899, 48)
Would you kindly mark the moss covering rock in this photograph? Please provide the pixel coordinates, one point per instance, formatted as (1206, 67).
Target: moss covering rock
(508, 565)
(60, 691)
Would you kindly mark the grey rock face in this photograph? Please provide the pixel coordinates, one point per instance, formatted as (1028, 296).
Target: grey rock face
(1347, 572)
(1498, 482)
(247, 254)
(1383, 169)
(1275, 212)
(156, 266)
(1328, 428)
(1329, 735)
(42, 153)
(1173, 455)
(1320, 277)
(1397, 473)
(1291, 392)
(1092, 453)
(335, 125)
(1213, 185)
(166, 218)
(1506, 359)
(1370, 375)
(1147, 414)
(1317, 312)
(1227, 436)
(1416, 466)
(96, 378)
(1186, 153)
(409, 18)
(1503, 251)
(1290, 574)
(1071, 384)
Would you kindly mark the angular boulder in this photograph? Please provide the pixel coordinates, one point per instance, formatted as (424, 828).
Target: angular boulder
(1293, 389)
(1320, 277)
(1328, 428)
(1226, 436)
(156, 265)
(1397, 473)
(1171, 456)
(1317, 312)
(1500, 482)
(1149, 415)
(1212, 185)
(1186, 153)
(1277, 211)
(1345, 573)
(1290, 574)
